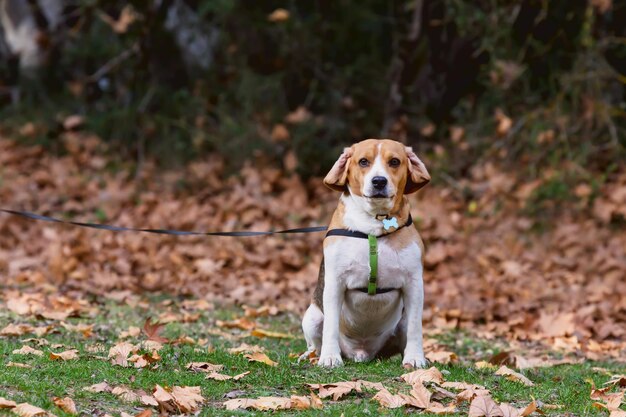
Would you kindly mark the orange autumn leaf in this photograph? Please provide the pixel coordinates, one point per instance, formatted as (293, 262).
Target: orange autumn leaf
(66, 404)
(260, 357)
(242, 323)
(153, 330)
(267, 333)
(4, 403)
(65, 355)
(28, 410)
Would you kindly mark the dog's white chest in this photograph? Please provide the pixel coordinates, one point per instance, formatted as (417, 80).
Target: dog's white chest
(351, 262)
(368, 321)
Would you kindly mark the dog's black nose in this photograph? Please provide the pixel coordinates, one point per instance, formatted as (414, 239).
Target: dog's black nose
(379, 182)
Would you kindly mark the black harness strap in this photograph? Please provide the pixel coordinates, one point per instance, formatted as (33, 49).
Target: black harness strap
(378, 290)
(361, 235)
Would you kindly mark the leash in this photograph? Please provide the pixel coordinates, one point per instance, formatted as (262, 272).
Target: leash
(372, 240)
(112, 228)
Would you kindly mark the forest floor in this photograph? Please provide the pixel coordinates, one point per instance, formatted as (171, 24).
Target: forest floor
(525, 273)
(113, 361)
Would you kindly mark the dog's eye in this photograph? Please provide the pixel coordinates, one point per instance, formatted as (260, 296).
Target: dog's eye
(394, 162)
(364, 162)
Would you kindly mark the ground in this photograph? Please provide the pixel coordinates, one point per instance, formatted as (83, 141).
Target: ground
(530, 271)
(206, 337)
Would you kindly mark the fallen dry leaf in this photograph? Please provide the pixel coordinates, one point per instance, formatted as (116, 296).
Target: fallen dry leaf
(529, 409)
(514, 376)
(120, 352)
(16, 330)
(389, 400)
(275, 403)
(204, 367)
(131, 332)
(485, 365)
(438, 408)
(470, 393)
(260, 357)
(28, 410)
(181, 399)
(188, 399)
(262, 311)
(442, 357)
(246, 348)
(221, 377)
(484, 407)
(27, 350)
(152, 330)
(100, 387)
(147, 399)
(141, 361)
(555, 325)
(150, 345)
(339, 389)
(509, 411)
(267, 333)
(4, 403)
(66, 404)
(461, 385)
(617, 380)
(65, 355)
(19, 305)
(301, 402)
(420, 396)
(242, 323)
(85, 329)
(240, 403)
(423, 375)
(17, 365)
(125, 394)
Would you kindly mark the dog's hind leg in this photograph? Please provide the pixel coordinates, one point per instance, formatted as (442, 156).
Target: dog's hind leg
(312, 324)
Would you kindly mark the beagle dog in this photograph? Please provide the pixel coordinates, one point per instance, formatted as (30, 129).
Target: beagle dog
(362, 309)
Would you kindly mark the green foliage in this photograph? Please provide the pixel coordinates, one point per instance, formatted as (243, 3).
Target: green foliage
(557, 65)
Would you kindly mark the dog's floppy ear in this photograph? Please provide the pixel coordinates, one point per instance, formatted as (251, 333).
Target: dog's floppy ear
(417, 175)
(337, 177)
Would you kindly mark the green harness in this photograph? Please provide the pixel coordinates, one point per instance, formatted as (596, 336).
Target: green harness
(371, 286)
(388, 224)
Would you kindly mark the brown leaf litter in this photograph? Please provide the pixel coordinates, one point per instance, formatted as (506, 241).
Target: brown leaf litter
(486, 270)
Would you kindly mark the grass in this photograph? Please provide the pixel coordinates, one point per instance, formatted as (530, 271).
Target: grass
(566, 385)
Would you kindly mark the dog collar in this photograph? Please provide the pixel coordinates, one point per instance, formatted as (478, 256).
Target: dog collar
(361, 235)
(373, 252)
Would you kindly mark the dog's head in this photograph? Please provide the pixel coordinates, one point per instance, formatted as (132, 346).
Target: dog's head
(380, 171)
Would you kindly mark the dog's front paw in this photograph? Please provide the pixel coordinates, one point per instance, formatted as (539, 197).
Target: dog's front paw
(410, 362)
(330, 360)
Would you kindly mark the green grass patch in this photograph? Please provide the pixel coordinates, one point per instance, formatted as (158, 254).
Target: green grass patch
(565, 385)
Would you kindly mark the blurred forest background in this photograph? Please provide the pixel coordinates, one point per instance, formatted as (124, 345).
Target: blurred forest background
(531, 81)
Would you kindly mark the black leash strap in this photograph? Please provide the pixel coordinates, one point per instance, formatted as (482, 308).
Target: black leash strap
(35, 216)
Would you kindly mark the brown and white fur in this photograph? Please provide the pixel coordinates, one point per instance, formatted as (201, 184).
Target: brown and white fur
(342, 321)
